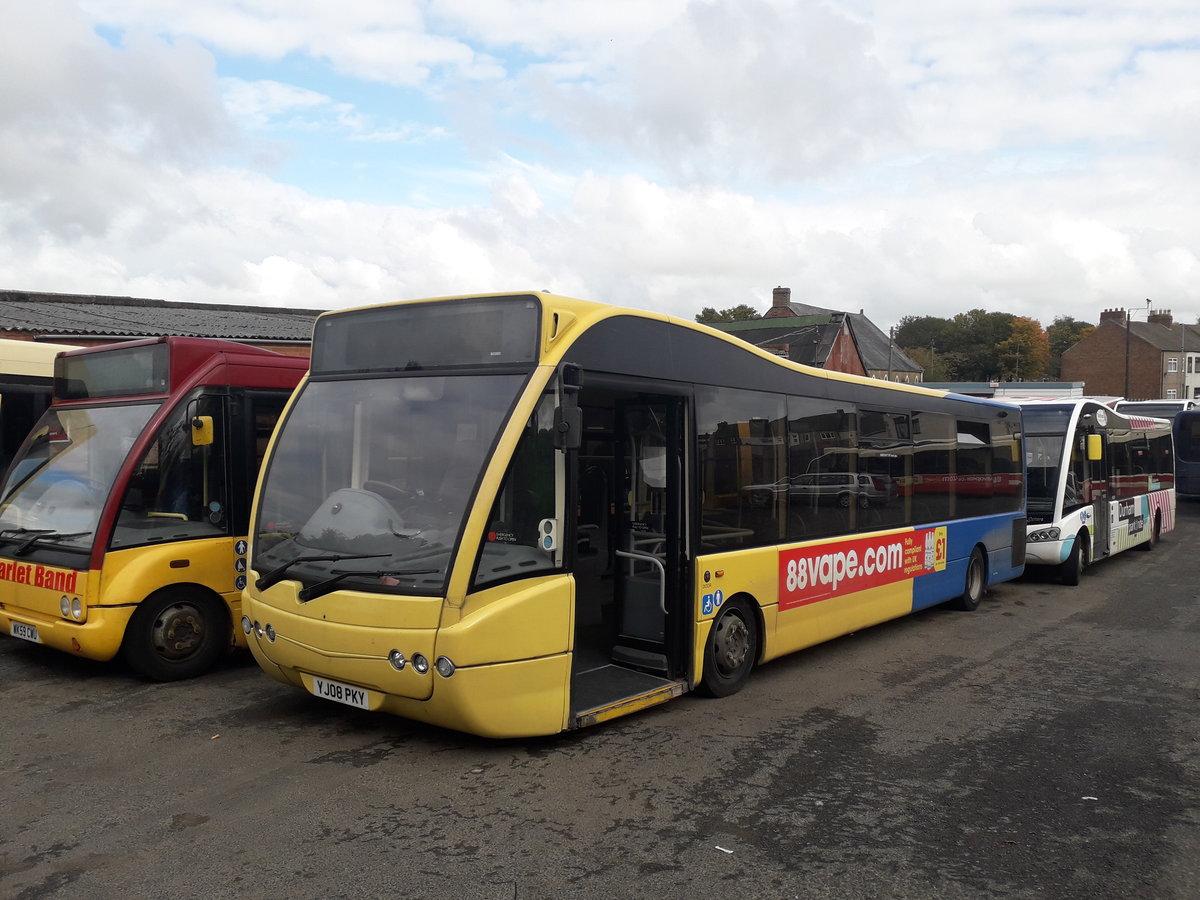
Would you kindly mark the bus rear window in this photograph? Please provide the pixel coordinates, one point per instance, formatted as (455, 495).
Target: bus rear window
(485, 332)
(122, 372)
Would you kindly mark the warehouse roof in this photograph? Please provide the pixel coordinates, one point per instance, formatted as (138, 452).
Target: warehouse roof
(66, 316)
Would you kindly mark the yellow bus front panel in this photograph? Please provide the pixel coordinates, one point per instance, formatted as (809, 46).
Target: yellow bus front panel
(59, 608)
(506, 652)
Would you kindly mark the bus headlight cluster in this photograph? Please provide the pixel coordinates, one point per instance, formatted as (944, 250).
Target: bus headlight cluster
(248, 626)
(71, 608)
(1044, 534)
(420, 663)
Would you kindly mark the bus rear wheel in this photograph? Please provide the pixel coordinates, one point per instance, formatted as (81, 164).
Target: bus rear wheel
(1076, 562)
(974, 584)
(176, 633)
(1155, 534)
(731, 650)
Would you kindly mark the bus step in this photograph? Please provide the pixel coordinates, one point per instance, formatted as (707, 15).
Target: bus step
(667, 690)
(639, 659)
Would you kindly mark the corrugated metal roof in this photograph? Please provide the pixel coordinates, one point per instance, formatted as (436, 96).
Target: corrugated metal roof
(67, 315)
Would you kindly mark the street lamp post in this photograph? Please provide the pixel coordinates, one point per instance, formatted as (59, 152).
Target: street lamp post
(1128, 311)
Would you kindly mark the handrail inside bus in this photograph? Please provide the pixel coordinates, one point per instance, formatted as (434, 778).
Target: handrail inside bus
(662, 571)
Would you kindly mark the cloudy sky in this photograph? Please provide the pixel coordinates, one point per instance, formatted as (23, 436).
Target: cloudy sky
(903, 157)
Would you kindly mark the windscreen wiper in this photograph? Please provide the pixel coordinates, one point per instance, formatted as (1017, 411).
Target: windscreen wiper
(321, 588)
(276, 575)
(33, 535)
(21, 532)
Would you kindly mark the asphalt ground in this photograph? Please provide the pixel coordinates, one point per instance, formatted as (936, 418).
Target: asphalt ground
(1046, 745)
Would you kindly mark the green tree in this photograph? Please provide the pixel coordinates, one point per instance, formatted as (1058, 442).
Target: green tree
(1064, 334)
(1025, 354)
(738, 313)
(972, 340)
(936, 366)
(915, 332)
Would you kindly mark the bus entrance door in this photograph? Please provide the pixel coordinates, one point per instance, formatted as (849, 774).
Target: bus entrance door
(1101, 508)
(636, 597)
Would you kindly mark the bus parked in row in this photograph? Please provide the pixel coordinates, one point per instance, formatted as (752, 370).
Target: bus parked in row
(1153, 409)
(1098, 482)
(522, 514)
(123, 517)
(26, 374)
(1186, 430)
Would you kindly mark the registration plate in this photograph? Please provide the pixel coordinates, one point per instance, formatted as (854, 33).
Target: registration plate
(25, 632)
(341, 693)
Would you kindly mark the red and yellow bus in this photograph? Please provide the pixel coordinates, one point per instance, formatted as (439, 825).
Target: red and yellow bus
(522, 514)
(123, 517)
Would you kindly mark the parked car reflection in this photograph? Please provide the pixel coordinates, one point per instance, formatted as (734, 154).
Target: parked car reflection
(839, 488)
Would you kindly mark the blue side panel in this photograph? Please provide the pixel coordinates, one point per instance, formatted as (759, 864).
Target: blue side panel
(995, 533)
(1187, 478)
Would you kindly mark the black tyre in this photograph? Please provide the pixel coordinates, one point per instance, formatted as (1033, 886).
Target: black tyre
(176, 633)
(731, 650)
(1072, 568)
(1155, 534)
(975, 583)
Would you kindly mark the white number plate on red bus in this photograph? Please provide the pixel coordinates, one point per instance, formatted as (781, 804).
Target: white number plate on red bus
(25, 632)
(341, 693)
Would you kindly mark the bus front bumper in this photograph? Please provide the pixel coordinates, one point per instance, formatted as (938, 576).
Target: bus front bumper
(98, 637)
(510, 699)
(1048, 553)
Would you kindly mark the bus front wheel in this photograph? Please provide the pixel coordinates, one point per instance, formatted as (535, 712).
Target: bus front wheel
(176, 633)
(975, 583)
(731, 650)
(1076, 561)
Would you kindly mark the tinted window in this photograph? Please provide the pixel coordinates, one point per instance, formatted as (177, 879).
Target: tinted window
(428, 336)
(121, 372)
(743, 467)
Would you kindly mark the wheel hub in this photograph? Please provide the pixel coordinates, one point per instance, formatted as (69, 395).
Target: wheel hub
(179, 631)
(731, 645)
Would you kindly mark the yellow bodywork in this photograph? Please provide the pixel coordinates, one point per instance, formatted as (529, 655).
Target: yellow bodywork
(110, 595)
(512, 644)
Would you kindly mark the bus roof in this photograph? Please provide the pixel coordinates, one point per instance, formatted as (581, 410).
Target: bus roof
(566, 317)
(29, 358)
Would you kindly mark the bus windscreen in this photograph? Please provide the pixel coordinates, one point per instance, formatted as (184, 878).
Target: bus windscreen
(1046, 419)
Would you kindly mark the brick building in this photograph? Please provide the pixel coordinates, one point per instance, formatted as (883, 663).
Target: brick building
(1123, 357)
(825, 338)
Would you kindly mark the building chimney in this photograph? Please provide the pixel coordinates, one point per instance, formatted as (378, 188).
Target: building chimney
(1113, 315)
(781, 297)
(1160, 317)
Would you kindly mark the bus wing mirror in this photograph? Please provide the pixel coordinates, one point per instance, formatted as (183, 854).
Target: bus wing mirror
(568, 427)
(1095, 447)
(202, 431)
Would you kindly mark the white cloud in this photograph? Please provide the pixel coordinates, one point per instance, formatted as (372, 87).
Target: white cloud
(916, 158)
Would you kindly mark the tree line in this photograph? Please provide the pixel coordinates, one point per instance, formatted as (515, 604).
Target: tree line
(984, 346)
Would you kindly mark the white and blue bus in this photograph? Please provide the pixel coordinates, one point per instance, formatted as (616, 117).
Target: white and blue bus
(1098, 482)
